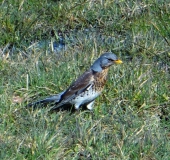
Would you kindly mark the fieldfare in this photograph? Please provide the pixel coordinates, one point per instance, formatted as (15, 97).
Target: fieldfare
(86, 88)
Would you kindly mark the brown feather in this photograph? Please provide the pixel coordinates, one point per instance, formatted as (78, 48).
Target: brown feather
(79, 85)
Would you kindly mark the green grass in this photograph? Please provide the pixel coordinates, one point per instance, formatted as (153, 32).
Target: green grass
(131, 117)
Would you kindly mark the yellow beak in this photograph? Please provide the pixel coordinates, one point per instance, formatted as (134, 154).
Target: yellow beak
(118, 61)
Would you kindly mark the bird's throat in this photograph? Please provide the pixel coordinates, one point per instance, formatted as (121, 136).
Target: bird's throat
(100, 79)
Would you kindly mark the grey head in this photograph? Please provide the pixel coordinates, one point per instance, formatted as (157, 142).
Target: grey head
(104, 61)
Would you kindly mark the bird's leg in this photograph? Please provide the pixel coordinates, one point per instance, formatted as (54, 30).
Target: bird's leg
(90, 105)
(76, 106)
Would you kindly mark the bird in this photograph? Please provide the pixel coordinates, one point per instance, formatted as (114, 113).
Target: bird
(86, 88)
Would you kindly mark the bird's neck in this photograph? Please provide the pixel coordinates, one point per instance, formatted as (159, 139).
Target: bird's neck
(104, 73)
(101, 77)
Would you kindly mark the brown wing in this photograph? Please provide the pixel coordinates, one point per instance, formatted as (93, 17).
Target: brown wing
(77, 87)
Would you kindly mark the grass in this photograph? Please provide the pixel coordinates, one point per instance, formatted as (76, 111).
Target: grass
(131, 117)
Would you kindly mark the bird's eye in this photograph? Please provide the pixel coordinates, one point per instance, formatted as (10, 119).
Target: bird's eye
(110, 60)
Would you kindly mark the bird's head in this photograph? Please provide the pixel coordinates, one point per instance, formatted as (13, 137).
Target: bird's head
(104, 61)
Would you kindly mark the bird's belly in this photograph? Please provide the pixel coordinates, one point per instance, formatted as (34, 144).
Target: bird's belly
(85, 97)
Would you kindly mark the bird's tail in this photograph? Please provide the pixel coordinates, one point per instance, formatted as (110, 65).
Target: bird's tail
(52, 99)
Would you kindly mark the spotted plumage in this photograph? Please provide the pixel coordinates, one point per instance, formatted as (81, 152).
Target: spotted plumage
(86, 88)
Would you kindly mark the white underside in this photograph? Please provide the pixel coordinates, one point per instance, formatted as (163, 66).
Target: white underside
(86, 97)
